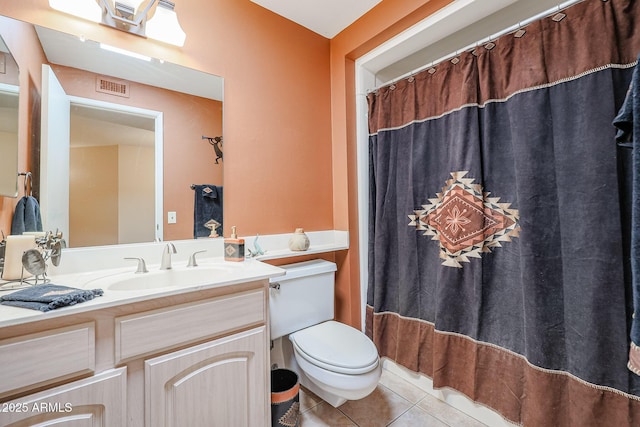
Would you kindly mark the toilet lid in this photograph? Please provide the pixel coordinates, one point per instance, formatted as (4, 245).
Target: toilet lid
(336, 347)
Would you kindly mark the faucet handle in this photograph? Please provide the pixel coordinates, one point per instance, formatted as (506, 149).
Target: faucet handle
(192, 258)
(169, 249)
(142, 266)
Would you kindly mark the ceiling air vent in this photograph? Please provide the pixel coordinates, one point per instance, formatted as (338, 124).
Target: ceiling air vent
(112, 86)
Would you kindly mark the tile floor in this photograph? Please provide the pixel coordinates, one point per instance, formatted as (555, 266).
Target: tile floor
(394, 403)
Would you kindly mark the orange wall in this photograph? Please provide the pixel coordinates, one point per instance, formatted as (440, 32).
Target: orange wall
(277, 119)
(386, 20)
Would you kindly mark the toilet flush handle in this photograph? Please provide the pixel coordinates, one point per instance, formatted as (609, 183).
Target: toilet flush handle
(275, 286)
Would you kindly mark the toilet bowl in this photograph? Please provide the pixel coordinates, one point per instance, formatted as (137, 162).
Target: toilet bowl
(338, 359)
(335, 361)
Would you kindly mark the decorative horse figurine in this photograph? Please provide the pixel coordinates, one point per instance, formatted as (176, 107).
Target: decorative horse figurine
(216, 142)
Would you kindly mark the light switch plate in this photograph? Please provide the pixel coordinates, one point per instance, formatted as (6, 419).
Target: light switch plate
(171, 218)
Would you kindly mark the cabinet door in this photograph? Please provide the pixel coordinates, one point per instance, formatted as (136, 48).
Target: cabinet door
(219, 383)
(98, 401)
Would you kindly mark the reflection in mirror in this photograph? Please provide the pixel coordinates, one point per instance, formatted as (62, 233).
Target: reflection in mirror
(9, 95)
(107, 207)
(136, 125)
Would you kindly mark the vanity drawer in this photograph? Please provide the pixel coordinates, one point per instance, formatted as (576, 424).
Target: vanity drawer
(153, 331)
(44, 357)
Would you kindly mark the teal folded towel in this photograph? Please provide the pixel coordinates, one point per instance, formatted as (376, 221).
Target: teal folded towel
(49, 297)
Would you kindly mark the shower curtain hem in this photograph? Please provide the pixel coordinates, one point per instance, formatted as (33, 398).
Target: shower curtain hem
(531, 399)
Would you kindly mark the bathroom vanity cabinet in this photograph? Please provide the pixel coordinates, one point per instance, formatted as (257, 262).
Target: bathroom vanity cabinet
(197, 358)
(217, 383)
(98, 400)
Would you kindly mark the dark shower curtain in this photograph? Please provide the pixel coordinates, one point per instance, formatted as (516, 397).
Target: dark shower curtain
(497, 252)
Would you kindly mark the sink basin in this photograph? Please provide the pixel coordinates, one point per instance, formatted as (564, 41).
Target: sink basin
(182, 277)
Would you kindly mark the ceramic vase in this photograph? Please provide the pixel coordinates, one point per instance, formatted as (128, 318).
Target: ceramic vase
(299, 241)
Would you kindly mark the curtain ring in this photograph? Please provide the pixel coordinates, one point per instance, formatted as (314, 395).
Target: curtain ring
(559, 16)
(489, 45)
(474, 51)
(455, 59)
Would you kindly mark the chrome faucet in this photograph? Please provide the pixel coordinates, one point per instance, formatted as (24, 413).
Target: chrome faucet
(166, 256)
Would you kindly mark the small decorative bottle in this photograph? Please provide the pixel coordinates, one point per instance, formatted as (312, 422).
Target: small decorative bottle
(299, 241)
(234, 247)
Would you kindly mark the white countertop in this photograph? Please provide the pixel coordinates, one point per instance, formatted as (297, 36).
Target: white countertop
(82, 265)
(246, 271)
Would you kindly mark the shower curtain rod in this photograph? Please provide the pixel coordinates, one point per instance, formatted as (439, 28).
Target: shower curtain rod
(520, 25)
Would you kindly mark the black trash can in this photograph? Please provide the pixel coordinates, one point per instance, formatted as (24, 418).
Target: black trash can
(285, 398)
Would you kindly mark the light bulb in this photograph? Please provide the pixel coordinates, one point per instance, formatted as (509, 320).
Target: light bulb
(164, 25)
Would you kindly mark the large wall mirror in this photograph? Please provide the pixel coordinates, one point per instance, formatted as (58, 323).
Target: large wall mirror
(9, 100)
(125, 140)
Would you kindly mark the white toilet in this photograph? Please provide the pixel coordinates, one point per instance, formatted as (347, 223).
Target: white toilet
(333, 360)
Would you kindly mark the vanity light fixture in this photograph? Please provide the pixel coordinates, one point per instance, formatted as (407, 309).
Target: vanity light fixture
(131, 16)
(84, 9)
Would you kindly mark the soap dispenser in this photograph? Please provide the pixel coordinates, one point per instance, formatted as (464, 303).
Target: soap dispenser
(234, 247)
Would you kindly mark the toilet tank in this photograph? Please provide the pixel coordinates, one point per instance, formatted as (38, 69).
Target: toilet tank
(304, 297)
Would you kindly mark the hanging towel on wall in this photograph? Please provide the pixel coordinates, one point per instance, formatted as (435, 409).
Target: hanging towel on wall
(26, 216)
(628, 124)
(207, 206)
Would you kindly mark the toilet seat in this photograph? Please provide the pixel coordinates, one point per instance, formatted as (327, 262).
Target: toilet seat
(336, 347)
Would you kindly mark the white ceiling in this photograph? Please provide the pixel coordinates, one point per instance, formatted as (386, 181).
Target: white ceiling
(325, 17)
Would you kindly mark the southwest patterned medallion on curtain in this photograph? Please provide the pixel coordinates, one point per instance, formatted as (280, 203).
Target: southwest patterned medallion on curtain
(496, 254)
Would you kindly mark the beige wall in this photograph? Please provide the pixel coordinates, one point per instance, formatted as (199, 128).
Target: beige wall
(111, 195)
(136, 194)
(93, 196)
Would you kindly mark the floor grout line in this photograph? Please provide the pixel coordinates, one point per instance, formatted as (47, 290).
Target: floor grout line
(401, 415)
(402, 397)
(349, 418)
